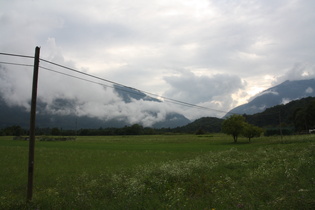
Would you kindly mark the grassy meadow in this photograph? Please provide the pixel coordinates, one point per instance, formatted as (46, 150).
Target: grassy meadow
(161, 172)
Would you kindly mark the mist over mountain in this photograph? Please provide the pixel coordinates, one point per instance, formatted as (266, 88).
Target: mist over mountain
(280, 94)
(128, 94)
(67, 113)
(172, 119)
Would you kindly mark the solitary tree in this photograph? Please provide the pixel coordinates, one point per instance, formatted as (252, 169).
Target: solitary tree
(233, 125)
(251, 131)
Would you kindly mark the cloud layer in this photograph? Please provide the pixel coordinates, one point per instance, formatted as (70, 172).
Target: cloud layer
(211, 53)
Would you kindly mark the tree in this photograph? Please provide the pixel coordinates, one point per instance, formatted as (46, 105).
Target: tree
(233, 125)
(251, 131)
(200, 131)
(55, 132)
(14, 130)
(135, 129)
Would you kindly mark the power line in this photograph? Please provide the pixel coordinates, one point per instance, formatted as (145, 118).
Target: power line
(16, 55)
(124, 86)
(80, 72)
(69, 75)
(16, 64)
(80, 78)
(136, 91)
(118, 85)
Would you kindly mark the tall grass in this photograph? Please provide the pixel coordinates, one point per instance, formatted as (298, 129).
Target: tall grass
(162, 172)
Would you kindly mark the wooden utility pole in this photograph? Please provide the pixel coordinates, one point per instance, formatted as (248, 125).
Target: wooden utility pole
(32, 127)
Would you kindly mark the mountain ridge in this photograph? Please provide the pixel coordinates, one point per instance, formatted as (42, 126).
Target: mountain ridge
(279, 94)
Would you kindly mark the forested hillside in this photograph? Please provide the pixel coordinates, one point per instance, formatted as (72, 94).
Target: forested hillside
(299, 114)
(202, 125)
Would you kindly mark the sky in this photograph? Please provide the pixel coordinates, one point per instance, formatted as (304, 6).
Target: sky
(213, 53)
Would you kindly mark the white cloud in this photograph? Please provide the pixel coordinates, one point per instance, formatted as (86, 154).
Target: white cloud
(285, 101)
(309, 90)
(264, 93)
(15, 85)
(298, 71)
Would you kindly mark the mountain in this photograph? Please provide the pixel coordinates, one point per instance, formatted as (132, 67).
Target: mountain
(172, 119)
(13, 115)
(280, 94)
(284, 114)
(127, 94)
(16, 115)
(204, 124)
(292, 117)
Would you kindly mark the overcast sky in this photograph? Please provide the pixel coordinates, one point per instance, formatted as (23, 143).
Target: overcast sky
(214, 53)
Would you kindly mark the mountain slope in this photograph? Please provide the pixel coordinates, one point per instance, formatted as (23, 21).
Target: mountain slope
(206, 124)
(280, 94)
(127, 94)
(62, 114)
(281, 113)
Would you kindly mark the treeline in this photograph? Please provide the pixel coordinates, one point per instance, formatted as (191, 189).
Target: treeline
(13, 131)
(135, 129)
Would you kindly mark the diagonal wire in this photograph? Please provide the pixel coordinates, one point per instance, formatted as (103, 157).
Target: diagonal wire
(120, 86)
(17, 64)
(124, 86)
(117, 87)
(69, 75)
(16, 55)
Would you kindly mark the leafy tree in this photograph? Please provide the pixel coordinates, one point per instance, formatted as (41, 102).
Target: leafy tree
(84, 132)
(233, 125)
(55, 132)
(14, 130)
(200, 131)
(251, 131)
(135, 129)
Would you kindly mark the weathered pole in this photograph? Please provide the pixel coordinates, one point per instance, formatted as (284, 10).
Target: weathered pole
(32, 127)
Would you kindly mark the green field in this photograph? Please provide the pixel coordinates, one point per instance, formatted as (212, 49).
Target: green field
(161, 172)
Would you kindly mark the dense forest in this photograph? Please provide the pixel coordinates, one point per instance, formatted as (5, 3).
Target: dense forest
(294, 117)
